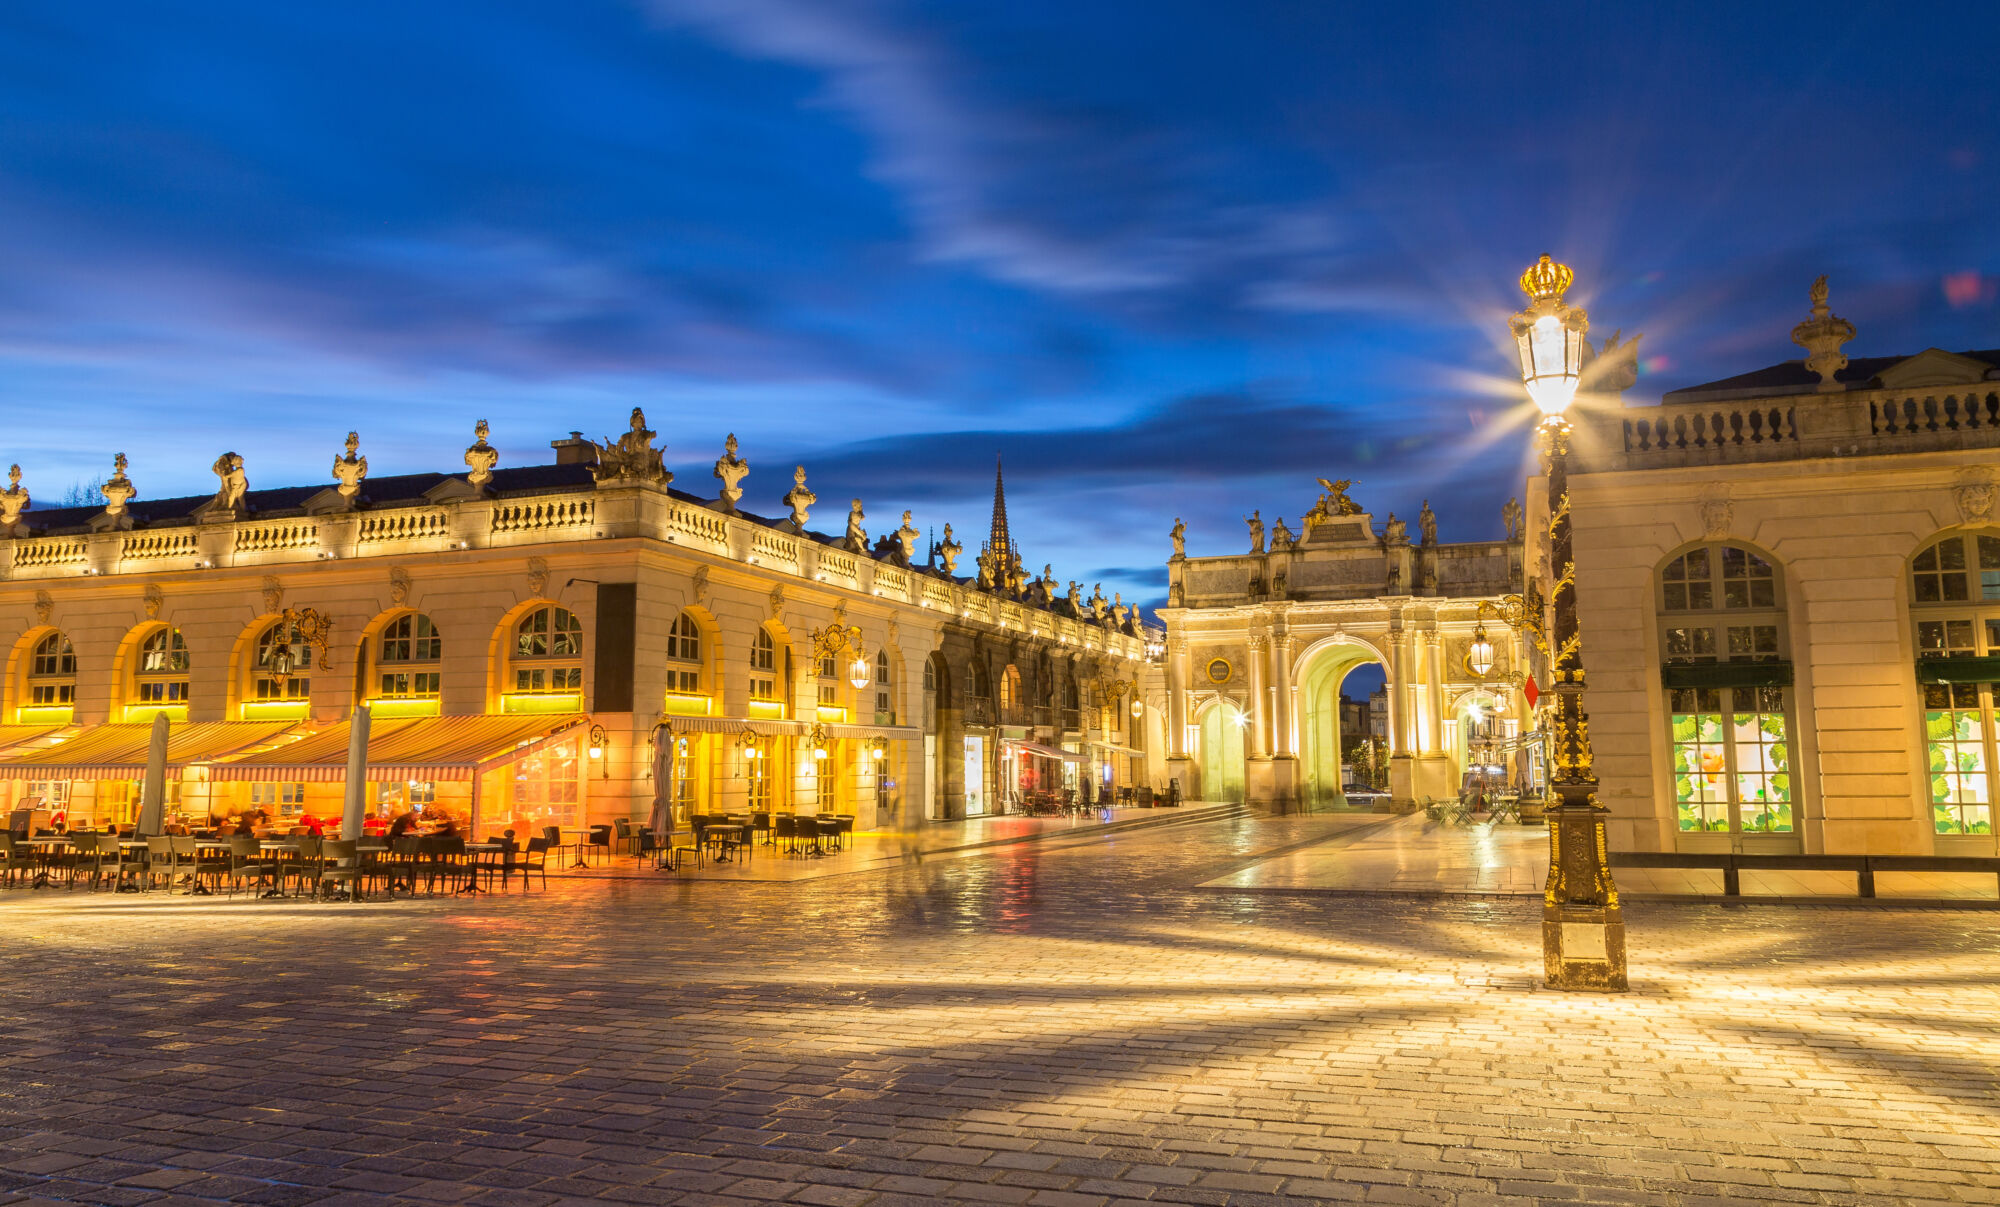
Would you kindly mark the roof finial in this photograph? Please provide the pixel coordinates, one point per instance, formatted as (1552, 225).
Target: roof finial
(1822, 335)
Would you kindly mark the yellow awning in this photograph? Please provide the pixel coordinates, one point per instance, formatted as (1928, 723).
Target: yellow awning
(21, 735)
(109, 752)
(406, 748)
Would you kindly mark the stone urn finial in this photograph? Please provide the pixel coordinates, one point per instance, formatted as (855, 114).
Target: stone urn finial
(13, 501)
(800, 500)
(481, 457)
(118, 489)
(1821, 336)
(349, 471)
(731, 469)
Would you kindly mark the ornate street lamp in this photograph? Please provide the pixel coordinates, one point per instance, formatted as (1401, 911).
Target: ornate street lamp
(837, 639)
(1583, 928)
(1479, 656)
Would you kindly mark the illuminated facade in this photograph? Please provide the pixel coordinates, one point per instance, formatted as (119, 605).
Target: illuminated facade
(1259, 643)
(1790, 596)
(524, 636)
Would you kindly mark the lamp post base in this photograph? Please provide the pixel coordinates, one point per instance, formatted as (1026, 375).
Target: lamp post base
(1583, 927)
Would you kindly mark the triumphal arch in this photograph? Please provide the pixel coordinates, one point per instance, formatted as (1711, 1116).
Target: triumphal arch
(1259, 643)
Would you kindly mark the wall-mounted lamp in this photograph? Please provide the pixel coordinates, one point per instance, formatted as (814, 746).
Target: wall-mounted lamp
(597, 741)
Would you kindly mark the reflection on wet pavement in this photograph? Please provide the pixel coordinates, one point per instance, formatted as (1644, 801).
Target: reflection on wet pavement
(1068, 1021)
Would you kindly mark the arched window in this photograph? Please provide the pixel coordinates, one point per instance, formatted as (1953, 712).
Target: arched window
(1010, 695)
(548, 653)
(1955, 602)
(684, 656)
(1728, 679)
(409, 659)
(282, 672)
(885, 703)
(52, 674)
(764, 698)
(161, 678)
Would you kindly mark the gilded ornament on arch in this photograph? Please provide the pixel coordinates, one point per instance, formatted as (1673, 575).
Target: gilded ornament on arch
(1219, 670)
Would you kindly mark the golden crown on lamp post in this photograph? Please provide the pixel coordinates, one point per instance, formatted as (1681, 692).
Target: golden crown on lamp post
(1549, 337)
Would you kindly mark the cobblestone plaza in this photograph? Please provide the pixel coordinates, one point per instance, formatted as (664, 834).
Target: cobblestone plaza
(1065, 1021)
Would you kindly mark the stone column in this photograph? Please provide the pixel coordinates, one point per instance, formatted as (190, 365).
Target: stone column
(1179, 766)
(1278, 689)
(1284, 742)
(1177, 688)
(1258, 704)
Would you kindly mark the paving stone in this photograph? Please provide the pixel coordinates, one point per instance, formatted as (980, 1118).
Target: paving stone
(1065, 1022)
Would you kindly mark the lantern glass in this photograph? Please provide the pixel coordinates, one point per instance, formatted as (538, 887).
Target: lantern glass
(1551, 362)
(1480, 656)
(857, 672)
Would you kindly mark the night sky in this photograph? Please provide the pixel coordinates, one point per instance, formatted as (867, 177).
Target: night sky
(1169, 258)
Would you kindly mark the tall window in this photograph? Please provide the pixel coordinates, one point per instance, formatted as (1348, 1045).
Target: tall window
(1955, 588)
(284, 666)
(1010, 694)
(1728, 682)
(408, 660)
(757, 778)
(162, 675)
(829, 682)
(547, 790)
(885, 705)
(52, 673)
(684, 655)
(764, 669)
(548, 653)
(684, 776)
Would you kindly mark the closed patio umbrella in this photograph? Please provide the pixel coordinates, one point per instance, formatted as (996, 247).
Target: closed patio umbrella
(153, 790)
(356, 802)
(662, 821)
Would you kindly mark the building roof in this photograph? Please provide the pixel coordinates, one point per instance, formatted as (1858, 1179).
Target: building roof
(391, 490)
(1792, 377)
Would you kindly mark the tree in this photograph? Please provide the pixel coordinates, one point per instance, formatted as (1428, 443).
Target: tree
(83, 493)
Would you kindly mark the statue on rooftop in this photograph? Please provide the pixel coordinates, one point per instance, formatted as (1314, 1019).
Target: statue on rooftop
(1427, 524)
(230, 483)
(1256, 522)
(1097, 601)
(1281, 536)
(1180, 537)
(349, 471)
(632, 455)
(857, 536)
(731, 469)
(481, 457)
(799, 499)
(1515, 518)
(1396, 532)
(949, 551)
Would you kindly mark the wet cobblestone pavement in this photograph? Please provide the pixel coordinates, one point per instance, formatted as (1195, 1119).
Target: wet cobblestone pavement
(1064, 1022)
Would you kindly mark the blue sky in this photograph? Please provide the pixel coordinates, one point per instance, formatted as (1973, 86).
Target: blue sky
(1171, 259)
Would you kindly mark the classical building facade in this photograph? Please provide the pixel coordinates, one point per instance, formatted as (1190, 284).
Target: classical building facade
(528, 637)
(1789, 583)
(1260, 642)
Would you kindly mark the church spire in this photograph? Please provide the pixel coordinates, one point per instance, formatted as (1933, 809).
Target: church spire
(998, 539)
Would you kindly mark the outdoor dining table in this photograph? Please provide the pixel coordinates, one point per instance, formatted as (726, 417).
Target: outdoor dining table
(480, 857)
(47, 843)
(724, 837)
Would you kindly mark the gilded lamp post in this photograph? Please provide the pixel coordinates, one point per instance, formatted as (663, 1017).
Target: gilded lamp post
(1583, 929)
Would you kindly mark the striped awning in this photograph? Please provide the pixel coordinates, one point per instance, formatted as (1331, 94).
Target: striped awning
(22, 735)
(894, 733)
(1045, 751)
(406, 748)
(109, 752)
(735, 725)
